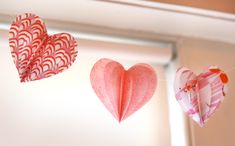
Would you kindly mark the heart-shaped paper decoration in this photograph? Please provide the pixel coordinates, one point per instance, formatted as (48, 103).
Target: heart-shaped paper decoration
(36, 54)
(123, 92)
(201, 95)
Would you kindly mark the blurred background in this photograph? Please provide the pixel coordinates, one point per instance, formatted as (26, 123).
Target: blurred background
(63, 110)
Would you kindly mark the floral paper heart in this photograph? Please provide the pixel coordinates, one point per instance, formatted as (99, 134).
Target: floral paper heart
(123, 91)
(36, 54)
(200, 95)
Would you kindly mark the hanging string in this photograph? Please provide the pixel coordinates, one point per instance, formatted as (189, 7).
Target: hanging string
(230, 70)
(183, 62)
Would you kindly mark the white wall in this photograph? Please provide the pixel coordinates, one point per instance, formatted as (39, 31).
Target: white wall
(63, 110)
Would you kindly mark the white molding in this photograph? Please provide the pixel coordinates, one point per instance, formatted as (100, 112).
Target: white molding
(118, 48)
(132, 16)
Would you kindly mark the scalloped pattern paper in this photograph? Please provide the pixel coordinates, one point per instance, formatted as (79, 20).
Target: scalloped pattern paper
(36, 54)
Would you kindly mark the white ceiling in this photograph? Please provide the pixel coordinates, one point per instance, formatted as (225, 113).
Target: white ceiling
(128, 17)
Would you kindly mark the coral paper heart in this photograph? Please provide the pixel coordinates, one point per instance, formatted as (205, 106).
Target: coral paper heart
(201, 95)
(36, 54)
(123, 92)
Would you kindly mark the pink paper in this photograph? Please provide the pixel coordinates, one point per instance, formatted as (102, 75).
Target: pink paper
(200, 95)
(123, 91)
(36, 54)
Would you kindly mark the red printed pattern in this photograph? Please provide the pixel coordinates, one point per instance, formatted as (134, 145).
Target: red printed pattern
(36, 54)
(201, 95)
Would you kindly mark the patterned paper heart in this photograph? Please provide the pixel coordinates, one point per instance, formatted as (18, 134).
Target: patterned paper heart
(123, 92)
(36, 54)
(201, 95)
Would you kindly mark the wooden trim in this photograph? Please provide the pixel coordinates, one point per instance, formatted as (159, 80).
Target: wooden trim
(226, 6)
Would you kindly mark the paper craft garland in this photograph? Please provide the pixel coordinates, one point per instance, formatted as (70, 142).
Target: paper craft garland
(123, 91)
(36, 54)
(200, 95)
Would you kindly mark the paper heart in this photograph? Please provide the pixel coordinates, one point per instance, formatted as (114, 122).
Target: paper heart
(36, 54)
(200, 95)
(123, 91)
